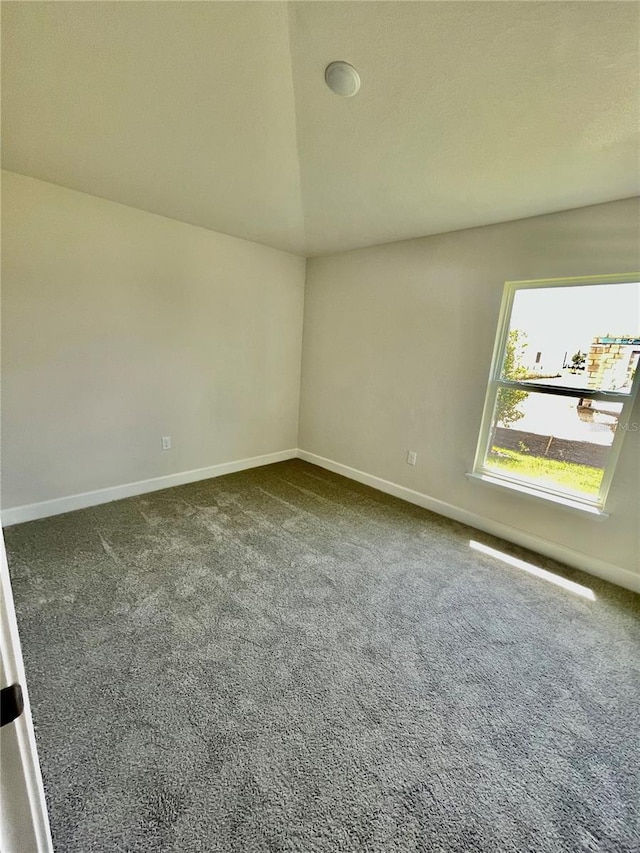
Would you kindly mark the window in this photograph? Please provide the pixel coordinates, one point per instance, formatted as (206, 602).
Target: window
(561, 389)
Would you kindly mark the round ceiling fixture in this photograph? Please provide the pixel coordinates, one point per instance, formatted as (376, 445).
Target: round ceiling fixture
(342, 78)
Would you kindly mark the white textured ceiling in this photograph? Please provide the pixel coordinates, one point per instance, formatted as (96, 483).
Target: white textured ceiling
(217, 113)
(183, 109)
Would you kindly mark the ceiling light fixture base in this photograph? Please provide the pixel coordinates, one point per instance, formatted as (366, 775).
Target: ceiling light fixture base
(342, 78)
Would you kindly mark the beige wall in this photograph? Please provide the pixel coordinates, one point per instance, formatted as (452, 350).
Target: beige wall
(396, 354)
(120, 327)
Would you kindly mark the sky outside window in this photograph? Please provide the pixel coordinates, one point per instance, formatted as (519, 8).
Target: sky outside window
(566, 319)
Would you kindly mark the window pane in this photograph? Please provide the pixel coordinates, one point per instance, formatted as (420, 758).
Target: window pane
(587, 336)
(553, 441)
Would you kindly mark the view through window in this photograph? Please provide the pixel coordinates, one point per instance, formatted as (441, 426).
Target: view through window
(562, 385)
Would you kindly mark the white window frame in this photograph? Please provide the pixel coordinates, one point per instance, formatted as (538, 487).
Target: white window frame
(529, 487)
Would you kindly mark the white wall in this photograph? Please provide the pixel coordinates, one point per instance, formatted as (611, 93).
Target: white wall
(120, 327)
(396, 354)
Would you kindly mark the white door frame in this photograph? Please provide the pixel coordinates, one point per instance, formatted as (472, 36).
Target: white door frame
(24, 822)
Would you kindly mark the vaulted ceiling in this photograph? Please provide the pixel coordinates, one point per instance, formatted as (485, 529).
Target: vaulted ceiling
(217, 114)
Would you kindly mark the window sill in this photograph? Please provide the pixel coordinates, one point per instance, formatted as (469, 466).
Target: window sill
(531, 492)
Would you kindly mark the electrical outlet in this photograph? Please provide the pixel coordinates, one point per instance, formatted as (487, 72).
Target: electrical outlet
(412, 457)
(166, 442)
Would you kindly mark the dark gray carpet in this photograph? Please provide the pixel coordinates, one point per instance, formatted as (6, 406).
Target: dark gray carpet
(284, 660)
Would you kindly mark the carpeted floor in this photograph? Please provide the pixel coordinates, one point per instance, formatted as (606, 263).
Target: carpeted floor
(283, 660)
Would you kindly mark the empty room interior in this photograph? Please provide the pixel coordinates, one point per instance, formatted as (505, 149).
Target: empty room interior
(320, 446)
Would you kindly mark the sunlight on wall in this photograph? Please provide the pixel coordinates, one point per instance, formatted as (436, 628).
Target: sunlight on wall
(534, 570)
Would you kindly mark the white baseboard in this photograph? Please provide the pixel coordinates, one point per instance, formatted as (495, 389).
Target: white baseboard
(29, 512)
(575, 559)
